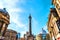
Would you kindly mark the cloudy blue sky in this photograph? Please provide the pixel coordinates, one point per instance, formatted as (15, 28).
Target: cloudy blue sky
(19, 11)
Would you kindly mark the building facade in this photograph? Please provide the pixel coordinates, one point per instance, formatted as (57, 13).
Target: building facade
(10, 35)
(56, 3)
(39, 37)
(4, 21)
(52, 26)
(54, 21)
(43, 36)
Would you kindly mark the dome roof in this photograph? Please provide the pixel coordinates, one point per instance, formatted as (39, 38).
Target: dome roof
(43, 31)
(4, 12)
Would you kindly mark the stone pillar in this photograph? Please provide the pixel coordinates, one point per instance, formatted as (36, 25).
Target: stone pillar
(1, 24)
(4, 29)
(30, 30)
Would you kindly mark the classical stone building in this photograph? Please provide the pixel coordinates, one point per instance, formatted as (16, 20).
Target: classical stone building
(4, 21)
(43, 36)
(56, 3)
(39, 37)
(10, 35)
(54, 21)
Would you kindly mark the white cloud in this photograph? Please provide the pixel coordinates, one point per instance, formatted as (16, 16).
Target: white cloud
(9, 3)
(14, 12)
